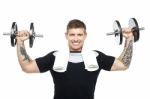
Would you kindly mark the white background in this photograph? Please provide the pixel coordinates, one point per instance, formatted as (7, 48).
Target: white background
(50, 18)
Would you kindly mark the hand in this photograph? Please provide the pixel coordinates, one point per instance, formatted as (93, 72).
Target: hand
(22, 35)
(127, 33)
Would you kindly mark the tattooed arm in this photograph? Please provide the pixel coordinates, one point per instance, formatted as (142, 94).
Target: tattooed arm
(124, 60)
(27, 64)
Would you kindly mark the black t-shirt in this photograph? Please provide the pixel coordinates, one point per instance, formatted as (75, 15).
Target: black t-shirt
(76, 82)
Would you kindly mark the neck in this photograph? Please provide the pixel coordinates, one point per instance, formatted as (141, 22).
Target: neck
(75, 51)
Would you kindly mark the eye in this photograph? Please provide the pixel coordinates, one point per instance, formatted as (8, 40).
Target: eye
(71, 34)
(80, 34)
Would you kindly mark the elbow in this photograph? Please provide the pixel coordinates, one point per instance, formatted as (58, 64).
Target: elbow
(25, 70)
(125, 68)
(119, 68)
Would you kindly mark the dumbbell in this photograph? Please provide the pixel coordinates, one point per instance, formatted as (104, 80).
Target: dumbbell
(133, 24)
(14, 32)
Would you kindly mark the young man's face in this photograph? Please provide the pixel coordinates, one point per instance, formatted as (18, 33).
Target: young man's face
(76, 37)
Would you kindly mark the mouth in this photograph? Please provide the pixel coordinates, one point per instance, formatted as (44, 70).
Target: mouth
(75, 43)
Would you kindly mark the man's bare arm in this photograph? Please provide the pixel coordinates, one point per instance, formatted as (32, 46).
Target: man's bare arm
(126, 56)
(27, 64)
(124, 60)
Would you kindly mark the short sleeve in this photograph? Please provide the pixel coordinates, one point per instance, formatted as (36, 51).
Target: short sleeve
(46, 62)
(104, 61)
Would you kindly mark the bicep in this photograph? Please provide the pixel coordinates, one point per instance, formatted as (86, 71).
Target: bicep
(118, 65)
(32, 67)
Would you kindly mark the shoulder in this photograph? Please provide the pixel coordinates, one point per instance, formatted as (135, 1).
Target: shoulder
(98, 53)
(52, 53)
(48, 56)
(102, 56)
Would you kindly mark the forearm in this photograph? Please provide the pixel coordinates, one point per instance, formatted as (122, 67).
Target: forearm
(126, 55)
(23, 57)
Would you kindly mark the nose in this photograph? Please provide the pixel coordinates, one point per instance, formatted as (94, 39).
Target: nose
(75, 38)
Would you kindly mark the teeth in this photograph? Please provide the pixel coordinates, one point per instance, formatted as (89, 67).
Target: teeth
(75, 43)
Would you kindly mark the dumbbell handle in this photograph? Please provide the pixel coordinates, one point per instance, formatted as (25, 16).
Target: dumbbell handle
(112, 33)
(6, 33)
(38, 35)
(142, 28)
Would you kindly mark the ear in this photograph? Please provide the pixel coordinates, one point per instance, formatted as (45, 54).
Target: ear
(85, 35)
(66, 35)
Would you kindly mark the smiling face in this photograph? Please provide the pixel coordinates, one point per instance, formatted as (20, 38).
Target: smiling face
(76, 34)
(75, 37)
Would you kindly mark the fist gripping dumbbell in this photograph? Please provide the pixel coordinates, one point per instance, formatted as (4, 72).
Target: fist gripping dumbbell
(14, 32)
(133, 25)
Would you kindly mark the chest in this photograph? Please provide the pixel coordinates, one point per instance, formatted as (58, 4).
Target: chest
(75, 74)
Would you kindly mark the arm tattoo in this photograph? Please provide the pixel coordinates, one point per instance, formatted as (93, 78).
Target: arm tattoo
(126, 59)
(24, 53)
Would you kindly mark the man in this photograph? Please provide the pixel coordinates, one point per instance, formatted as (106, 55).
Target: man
(74, 74)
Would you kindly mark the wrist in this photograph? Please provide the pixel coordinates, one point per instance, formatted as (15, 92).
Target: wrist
(130, 38)
(20, 42)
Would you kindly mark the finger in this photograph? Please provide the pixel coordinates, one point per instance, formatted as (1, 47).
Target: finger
(126, 30)
(23, 33)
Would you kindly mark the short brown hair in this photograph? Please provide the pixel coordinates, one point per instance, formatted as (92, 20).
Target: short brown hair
(75, 23)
